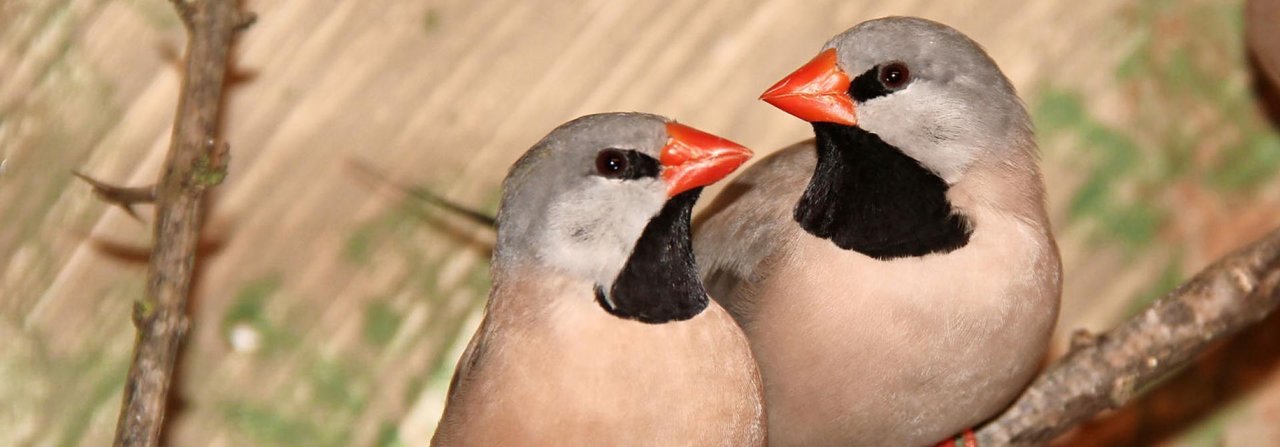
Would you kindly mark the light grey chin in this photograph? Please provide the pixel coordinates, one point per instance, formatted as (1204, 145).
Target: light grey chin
(592, 239)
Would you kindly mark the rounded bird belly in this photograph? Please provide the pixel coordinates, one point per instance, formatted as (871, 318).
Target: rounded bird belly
(856, 351)
(599, 380)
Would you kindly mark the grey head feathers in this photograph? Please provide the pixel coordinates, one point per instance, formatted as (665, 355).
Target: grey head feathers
(958, 107)
(556, 211)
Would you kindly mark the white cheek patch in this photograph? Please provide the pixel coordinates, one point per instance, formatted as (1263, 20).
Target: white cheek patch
(591, 232)
(927, 125)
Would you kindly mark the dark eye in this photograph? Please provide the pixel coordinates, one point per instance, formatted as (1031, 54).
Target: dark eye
(625, 164)
(895, 75)
(611, 163)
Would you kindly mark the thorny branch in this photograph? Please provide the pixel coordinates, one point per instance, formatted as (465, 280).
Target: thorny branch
(194, 163)
(1228, 296)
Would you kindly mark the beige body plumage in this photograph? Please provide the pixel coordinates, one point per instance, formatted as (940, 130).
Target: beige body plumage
(883, 352)
(550, 368)
(877, 319)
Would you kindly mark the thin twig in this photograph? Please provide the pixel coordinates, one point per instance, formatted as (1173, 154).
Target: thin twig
(425, 195)
(194, 163)
(123, 197)
(1237, 291)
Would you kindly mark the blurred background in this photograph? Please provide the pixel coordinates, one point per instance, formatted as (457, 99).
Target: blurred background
(330, 307)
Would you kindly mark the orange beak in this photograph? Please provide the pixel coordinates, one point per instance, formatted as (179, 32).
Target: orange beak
(817, 92)
(693, 158)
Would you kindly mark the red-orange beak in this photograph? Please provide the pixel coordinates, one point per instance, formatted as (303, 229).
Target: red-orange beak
(693, 158)
(817, 92)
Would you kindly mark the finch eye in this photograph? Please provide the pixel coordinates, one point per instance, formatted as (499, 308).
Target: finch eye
(625, 164)
(612, 163)
(895, 75)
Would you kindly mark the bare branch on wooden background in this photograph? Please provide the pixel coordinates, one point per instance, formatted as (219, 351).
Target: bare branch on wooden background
(194, 163)
(1228, 296)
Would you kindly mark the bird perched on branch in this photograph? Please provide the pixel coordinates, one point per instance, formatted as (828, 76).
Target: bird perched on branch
(896, 276)
(598, 330)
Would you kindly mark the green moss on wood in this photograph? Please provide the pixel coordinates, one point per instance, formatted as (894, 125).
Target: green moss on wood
(381, 323)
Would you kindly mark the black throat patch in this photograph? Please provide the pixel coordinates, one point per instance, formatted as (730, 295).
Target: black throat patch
(660, 283)
(870, 197)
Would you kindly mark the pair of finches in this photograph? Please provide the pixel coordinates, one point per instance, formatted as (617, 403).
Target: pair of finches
(892, 282)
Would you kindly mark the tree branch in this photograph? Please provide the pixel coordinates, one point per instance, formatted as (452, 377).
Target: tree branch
(194, 163)
(1228, 296)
